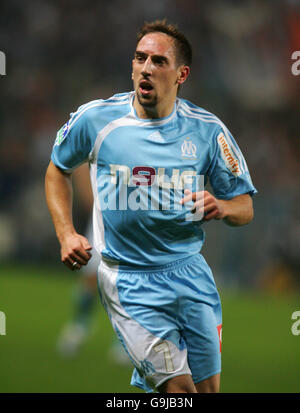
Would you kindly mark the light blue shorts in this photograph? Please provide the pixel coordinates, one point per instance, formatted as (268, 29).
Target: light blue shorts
(168, 318)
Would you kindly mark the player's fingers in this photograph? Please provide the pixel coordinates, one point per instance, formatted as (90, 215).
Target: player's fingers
(211, 215)
(72, 264)
(76, 250)
(199, 204)
(200, 196)
(81, 256)
(187, 198)
(74, 256)
(209, 205)
(194, 196)
(203, 208)
(84, 256)
(83, 250)
(202, 202)
(214, 207)
(191, 196)
(86, 245)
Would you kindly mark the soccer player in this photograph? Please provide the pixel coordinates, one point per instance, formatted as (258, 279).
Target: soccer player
(148, 152)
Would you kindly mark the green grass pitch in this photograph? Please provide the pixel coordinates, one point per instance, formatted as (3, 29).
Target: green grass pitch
(260, 354)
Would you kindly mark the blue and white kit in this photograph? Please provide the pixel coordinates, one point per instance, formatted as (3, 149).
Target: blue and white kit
(91, 268)
(155, 285)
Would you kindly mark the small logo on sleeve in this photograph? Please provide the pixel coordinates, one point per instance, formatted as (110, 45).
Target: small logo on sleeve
(228, 156)
(62, 133)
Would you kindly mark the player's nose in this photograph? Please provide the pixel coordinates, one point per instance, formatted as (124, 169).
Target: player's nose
(147, 67)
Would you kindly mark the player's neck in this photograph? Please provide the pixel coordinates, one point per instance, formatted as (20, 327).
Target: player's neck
(153, 112)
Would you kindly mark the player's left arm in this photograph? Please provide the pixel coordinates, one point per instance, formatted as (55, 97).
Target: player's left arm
(235, 212)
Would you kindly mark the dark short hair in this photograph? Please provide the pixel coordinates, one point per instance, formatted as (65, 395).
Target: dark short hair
(182, 45)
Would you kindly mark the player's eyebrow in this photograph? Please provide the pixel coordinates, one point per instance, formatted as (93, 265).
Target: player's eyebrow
(154, 57)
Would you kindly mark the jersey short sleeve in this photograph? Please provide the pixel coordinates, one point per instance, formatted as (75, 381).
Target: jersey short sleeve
(73, 142)
(229, 175)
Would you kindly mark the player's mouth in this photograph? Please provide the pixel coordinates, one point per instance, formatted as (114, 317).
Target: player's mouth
(145, 87)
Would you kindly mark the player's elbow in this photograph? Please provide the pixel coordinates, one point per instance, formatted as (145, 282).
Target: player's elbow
(238, 221)
(245, 213)
(249, 210)
(249, 215)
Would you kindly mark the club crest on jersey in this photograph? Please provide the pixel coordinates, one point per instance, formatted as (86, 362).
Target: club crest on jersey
(188, 149)
(62, 133)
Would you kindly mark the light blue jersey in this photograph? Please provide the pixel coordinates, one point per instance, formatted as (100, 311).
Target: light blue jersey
(139, 169)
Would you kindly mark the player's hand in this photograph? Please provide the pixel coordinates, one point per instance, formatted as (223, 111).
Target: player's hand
(205, 204)
(75, 248)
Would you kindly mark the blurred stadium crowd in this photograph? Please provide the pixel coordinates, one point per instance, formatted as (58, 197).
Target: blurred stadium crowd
(62, 54)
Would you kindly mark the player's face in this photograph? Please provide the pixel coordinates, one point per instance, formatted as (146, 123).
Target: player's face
(156, 74)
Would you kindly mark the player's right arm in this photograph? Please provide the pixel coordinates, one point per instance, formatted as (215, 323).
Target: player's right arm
(59, 195)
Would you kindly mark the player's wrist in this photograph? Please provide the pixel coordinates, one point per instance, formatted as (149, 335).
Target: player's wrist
(223, 209)
(64, 234)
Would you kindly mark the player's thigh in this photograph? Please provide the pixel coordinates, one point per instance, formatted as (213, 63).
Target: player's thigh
(202, 338)
(150, 336)
(178, 384)
(156, 358)
(209, 385)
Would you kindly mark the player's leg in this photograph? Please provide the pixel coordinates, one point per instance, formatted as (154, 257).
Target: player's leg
(202, 319)
(178, 384)
(77, 329)
(84, 299)
(203, 344)
(150, 336)
(209, 385)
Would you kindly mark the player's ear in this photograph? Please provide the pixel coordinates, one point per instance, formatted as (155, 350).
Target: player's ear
(183, 72)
